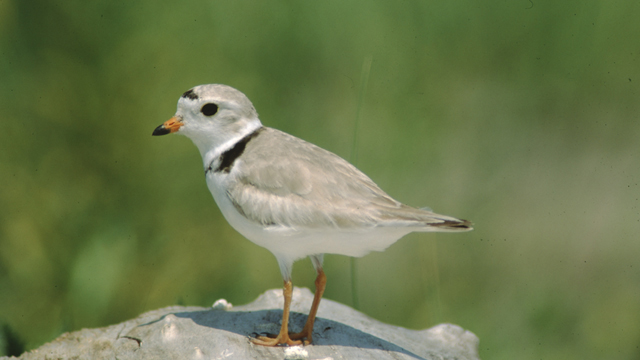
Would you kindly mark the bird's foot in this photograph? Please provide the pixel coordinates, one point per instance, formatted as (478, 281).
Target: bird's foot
(276, 340)
(304, 336)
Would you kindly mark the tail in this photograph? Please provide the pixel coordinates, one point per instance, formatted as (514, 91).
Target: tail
(425, 220)
(451, 224)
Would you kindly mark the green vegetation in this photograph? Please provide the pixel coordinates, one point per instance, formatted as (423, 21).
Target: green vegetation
(521, 116)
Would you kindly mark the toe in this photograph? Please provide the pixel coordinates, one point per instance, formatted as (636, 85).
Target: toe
(277, 341)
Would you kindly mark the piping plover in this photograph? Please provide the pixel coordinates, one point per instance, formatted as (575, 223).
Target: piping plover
(289, 196)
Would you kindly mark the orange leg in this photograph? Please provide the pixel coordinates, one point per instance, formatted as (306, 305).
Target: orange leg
(283, 337)
(306, 333)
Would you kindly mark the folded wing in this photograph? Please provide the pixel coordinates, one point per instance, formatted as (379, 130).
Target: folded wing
(300, 185)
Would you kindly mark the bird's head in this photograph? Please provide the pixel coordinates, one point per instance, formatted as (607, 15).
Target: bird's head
(212, 116)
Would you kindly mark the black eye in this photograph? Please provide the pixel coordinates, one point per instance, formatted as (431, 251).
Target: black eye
(209, 109)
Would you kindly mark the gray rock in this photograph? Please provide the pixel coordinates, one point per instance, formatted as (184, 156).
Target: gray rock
(223, 331)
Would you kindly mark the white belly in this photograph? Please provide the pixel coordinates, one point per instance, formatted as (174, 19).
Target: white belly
(296, 243)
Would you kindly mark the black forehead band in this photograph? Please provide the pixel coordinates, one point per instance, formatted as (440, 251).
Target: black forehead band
(190, 95)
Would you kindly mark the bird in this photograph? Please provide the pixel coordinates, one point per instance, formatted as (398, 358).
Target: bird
(289, 196)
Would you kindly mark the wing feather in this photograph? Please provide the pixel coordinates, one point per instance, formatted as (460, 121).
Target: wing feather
(297, 184)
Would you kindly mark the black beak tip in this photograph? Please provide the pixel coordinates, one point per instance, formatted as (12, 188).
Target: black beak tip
(161, 130)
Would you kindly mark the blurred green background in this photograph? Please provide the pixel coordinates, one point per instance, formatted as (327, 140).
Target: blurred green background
(522, 116)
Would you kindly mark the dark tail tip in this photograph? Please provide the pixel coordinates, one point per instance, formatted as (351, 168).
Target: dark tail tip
(460, 225)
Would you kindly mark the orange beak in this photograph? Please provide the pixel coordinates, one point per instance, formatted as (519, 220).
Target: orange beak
(170, 126)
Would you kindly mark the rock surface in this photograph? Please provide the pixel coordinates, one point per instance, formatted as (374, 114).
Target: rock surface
(223, 331)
